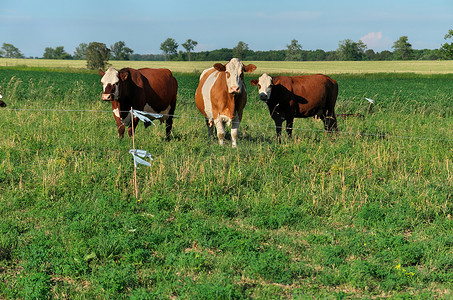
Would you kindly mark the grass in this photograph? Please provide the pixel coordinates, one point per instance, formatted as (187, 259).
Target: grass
(362, 214)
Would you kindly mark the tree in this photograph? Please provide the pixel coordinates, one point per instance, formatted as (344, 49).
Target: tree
(294, 51)
(403, 49)
(97, 55)
(169, 47)
(189, 45)
(81, 51)
(9, 51)
(119, 51)
(447, 48)
(57, 53)
(350, 50)
(48, 53)
(370, 54)
(239, 50)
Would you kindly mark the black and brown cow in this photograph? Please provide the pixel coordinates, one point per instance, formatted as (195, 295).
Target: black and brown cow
(150, 90)
(304, 96)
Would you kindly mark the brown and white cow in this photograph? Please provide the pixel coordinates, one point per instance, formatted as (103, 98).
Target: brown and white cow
(221, 97)
(150, 90)
(290, 97)
(2, 104)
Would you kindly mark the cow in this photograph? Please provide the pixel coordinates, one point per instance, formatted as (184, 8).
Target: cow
(150, 90)
(304, 96)
(221, 97)
(2, 104)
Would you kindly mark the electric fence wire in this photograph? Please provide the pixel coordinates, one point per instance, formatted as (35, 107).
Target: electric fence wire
(379, 135)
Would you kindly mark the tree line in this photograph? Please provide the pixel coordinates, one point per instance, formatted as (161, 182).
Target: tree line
(98, 54)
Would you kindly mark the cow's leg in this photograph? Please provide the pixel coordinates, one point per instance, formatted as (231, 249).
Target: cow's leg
(210, 128)
(220, 126)
(116, 115)
(235, 130)
(289, 127)
(121, 129)
(330, 121)
(131, 129)
(278, 128)
(168, 127)
(169, 121)
(119, 125)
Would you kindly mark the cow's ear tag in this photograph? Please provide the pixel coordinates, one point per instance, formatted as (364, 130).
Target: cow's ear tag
(124, 76)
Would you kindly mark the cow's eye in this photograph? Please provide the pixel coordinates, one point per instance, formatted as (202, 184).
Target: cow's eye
(259, 86)
(228, 74)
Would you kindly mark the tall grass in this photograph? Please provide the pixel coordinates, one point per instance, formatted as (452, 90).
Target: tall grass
(365, 213)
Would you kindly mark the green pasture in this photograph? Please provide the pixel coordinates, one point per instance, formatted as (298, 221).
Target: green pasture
(365, 213)
(306, 67)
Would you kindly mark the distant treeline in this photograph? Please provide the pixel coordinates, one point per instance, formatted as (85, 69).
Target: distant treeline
(225, 54)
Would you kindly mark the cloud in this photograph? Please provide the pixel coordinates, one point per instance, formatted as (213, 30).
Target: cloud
(376, 41)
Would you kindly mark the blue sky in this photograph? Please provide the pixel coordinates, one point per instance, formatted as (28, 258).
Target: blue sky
(32, 25)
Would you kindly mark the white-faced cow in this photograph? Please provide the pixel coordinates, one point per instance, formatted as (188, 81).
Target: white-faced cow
(2, 104)
(290, 97)
(221, 97)
(150, 90)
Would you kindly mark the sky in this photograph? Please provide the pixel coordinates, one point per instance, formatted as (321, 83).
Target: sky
(32, 25)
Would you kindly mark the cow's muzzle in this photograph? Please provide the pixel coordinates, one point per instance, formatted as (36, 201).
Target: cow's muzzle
(107, 97)
(235, 90)
(264, 96)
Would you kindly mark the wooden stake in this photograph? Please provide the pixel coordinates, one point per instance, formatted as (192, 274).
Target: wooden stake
(133, 148)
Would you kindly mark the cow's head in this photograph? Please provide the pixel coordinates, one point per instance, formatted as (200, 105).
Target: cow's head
(264, 84)
(110, 82)
(234, 70)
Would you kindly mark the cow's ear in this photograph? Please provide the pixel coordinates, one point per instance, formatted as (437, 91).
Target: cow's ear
(249, 68)
(124, 74)
(254, 82)
(136, 77)
(275, 81)
(219, 67)
(101, 72)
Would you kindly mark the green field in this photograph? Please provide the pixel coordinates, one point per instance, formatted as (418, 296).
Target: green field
(325, 67)
(365, 213)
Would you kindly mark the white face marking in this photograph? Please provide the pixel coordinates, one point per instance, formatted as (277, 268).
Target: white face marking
(234, 70)
(111, 77)
(265, 86)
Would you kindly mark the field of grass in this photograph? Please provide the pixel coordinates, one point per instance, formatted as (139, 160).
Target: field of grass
(366, 213)
(306, 67)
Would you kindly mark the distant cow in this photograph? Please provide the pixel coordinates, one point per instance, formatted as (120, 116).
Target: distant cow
(290, 97)
(150, 90)
(2, 104)
(221, 97)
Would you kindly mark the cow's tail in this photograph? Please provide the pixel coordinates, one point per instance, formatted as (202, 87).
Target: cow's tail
(169, 121)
